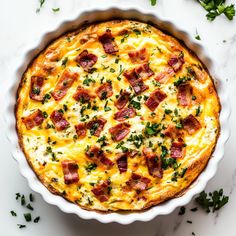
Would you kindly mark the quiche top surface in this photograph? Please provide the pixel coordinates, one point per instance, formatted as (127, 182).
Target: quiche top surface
(117, 116)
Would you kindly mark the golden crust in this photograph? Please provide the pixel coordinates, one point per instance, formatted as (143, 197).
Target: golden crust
(48, 64)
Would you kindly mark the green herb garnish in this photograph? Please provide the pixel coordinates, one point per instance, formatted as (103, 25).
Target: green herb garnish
(212, 201)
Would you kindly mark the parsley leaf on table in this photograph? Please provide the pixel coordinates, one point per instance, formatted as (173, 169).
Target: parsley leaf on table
(153, 2)
(216, 8)
(215, 201)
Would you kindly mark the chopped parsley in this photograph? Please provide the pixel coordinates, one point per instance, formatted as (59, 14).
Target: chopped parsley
(182, 211)
(90, 167)
(198, 110)
(46, 98)
(56, 9)
(137, 32)
(153, 2)
(64, 61)
(13, 213)
(21, 226)
(88, 80)
(197, 36)
(135, 104)
(151, 129)
(29, 207)
(36, 220)
(137, 140)
(181, 80)
(212, 201)
(28, 217)
(41, 3)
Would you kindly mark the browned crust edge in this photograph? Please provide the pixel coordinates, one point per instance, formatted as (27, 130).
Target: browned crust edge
(152, 203)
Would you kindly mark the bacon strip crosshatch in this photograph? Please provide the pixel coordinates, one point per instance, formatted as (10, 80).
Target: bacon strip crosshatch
(125, 118)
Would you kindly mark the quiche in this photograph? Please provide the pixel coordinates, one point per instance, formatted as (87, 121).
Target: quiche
(117, 116)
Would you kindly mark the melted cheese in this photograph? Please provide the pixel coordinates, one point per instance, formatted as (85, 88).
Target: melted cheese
(60, 55)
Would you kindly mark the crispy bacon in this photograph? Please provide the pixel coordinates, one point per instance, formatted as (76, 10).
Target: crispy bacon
(153, 163)
(86, 60)
(172, 132)
(82, 95)
(64, 83)
(139, 56)
(191, 124)
(185, 94)
(124, 114)
(144, 71)
(108, 42)
(138, 182)
(104, 91)
(122, 100)
(176, 62)
(164, 75)
(177, 149)
(120, 131)
(101, 191)
(70, 171)
(155, 98)
(35, 88)
(122, 162)
(81, 130)
(98, 156)
(136, 76)
(34, 119)
(59, 121)
(96, 126)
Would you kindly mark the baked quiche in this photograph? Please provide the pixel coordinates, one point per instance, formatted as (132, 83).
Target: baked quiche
(117, 116)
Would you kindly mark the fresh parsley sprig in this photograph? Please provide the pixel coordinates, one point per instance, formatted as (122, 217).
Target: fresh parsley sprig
(216, 8)
(214, 200)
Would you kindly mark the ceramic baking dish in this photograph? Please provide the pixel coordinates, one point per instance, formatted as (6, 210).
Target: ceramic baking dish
(102, 14)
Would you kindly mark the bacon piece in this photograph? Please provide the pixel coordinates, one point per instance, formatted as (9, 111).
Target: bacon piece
(98, 156)
(120, 131)
(96, 126)
(122, 162)
(138, 182)
(34, 119)
(82, 95)
(101, 191)
(155, 98)
(153, 163)
(172, 132)
(191, 124)
(177, 149)
(136, 76)
(86, 60)
(104, 91)
(144, 71)
(81, 130)
(64, 83)
(122, 100)
(70, 171)
(164, 75)
(35, 88)
(139, 56)
(108, 42)
(185, 94)
(59, 121)
(176, 62)
(125, 114)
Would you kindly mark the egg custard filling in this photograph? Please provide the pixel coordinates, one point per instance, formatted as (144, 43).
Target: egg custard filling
(117, 116)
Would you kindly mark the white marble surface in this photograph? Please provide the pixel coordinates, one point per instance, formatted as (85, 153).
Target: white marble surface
(20, 26)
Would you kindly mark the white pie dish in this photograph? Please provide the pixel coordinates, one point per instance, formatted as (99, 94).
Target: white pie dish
(100, 15)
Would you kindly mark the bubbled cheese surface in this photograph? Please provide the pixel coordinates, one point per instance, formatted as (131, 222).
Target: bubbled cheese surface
(45, 148)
